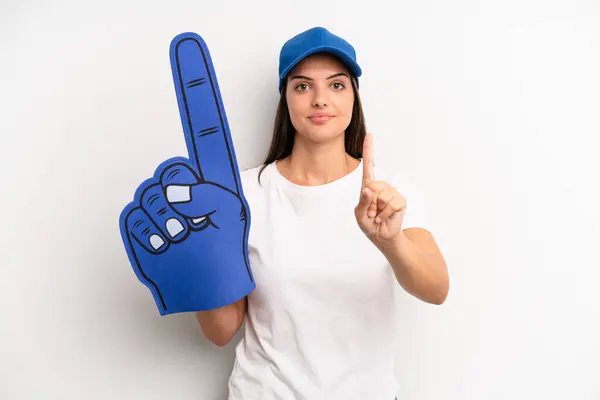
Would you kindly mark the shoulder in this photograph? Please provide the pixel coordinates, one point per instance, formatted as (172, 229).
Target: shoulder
(254, 178)
(248, 174)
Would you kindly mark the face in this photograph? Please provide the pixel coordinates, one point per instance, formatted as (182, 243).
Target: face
(320, 97)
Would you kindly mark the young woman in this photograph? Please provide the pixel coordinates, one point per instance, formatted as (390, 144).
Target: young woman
(331, 236)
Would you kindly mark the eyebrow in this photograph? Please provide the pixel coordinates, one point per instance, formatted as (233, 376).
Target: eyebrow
(311, 79)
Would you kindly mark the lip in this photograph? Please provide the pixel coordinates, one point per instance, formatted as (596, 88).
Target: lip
(320, 118)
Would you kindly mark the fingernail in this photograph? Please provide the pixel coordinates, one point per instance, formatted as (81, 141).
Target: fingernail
(156, 242)
(174, 227)
(371, 214)
(378, 220)
(178, 193)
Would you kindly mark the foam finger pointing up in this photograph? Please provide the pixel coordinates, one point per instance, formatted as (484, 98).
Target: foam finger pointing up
(202, 113)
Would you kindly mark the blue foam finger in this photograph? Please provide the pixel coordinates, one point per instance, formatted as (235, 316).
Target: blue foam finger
(195, 205)
(202, 112)
(179, 174)
(172, 226)
(145, 232)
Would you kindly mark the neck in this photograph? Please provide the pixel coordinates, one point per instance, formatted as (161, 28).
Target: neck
(312, 164)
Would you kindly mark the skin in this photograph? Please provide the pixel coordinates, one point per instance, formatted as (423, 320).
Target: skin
(320, 84)
(413, 253)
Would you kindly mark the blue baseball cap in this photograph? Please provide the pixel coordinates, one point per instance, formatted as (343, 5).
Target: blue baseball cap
(316, 40)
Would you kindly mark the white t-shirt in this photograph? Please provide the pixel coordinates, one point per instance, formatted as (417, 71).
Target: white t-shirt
(320, 323)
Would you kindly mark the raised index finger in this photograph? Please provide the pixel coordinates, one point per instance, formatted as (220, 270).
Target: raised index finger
(202, 113)
(368, 159)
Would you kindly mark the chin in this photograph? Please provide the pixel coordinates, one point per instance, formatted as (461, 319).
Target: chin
(322, 134)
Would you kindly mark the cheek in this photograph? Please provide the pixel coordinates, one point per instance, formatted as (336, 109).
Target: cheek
(295, 115)
(346, 107)
(295, 108)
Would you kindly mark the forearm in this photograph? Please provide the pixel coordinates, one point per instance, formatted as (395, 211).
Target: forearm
(422, 274)
(221, 324)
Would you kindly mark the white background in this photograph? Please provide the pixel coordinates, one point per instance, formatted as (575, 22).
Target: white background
(492, 108)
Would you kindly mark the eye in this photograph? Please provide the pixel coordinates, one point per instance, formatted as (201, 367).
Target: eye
(338, 85)
(302, 87)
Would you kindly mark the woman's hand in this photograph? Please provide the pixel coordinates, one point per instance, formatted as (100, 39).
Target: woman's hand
(380, 210)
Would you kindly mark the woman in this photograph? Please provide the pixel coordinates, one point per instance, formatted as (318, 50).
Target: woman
(331, 236)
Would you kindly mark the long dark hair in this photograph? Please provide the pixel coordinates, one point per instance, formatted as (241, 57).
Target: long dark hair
(282, 141)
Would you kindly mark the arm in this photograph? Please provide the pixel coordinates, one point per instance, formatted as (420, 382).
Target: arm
(413, 253)
(418, 265)
(221, 324)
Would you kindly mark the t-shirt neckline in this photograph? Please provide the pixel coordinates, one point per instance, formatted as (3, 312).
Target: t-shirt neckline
(339, 182)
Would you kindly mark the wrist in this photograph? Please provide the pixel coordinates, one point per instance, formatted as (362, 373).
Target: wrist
(391, 244)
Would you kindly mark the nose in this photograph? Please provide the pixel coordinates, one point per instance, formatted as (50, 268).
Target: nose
(319, 99)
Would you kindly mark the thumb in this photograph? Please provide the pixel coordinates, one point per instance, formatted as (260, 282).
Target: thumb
(204, 199)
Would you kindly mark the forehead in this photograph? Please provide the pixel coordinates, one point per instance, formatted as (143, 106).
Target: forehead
(319, 63)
